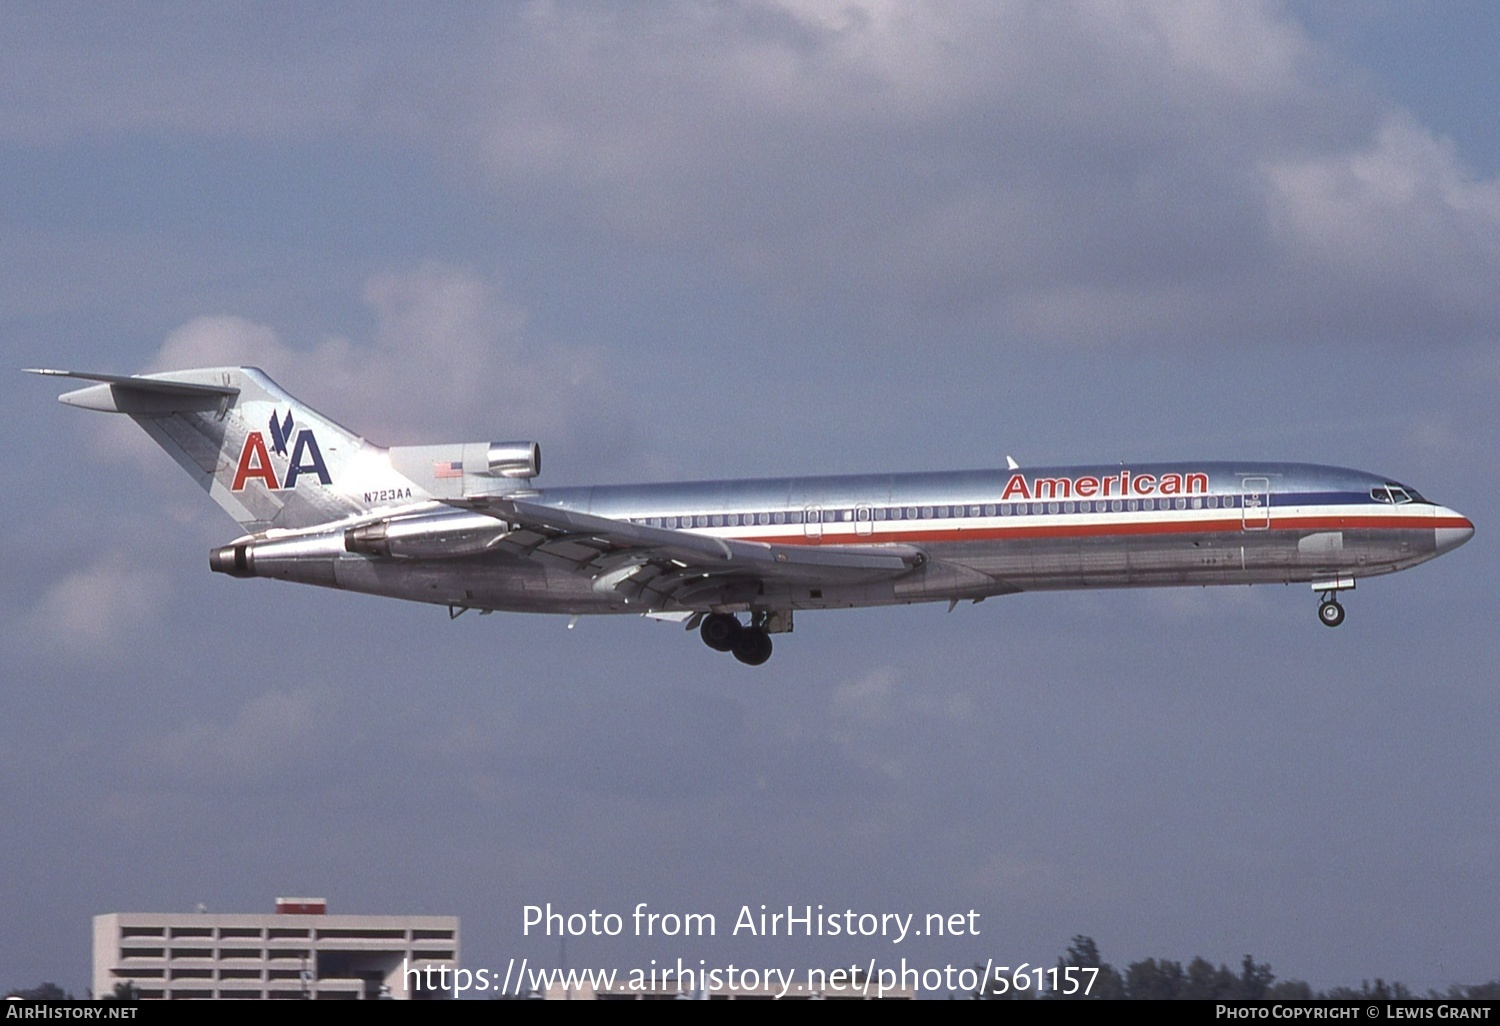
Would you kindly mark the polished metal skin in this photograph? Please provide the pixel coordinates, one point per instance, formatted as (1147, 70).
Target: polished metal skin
(461, 525)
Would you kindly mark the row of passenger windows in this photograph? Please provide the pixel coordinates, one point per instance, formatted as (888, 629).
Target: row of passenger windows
(1004, 509)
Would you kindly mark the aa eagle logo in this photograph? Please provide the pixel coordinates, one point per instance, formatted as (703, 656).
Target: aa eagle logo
(256, 464)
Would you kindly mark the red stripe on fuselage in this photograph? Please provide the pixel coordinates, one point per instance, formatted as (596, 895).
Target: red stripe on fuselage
(1148, 527)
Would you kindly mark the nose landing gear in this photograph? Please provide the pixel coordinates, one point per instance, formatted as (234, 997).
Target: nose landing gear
(1329, 610)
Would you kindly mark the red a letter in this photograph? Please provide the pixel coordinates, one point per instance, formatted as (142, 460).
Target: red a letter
(255, 447)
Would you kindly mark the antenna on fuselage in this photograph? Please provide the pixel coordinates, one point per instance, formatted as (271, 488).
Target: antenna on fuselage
(1010, 463)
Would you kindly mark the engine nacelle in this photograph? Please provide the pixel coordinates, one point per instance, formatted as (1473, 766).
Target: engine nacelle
(441, 535)
(515, 459)
(303, 557)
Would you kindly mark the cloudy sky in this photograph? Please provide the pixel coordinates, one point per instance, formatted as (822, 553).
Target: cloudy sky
(678, 240)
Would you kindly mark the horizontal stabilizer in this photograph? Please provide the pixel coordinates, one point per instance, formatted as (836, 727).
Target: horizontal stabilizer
(132, 393)
(141, 382)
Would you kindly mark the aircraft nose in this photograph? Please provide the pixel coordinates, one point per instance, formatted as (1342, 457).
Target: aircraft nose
(1455, 530)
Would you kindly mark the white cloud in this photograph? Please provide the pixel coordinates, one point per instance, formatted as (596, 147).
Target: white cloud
(449, 358)
(92, 612)
(1197, 173)
(1398, 219)
(877, 718)
(268, 734)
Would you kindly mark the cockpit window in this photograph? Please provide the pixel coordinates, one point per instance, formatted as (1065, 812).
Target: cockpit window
(1395, 493)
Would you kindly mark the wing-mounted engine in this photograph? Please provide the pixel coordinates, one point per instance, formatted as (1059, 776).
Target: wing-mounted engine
(461, 469)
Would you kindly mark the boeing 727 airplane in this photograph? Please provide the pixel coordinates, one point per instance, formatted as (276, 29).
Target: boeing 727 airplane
(462, 526)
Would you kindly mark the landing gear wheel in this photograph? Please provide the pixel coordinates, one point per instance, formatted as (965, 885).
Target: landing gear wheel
(1331, 613)
(753, 646)
(720, 631)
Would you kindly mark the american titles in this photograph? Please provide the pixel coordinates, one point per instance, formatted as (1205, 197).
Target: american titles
(1122, 484)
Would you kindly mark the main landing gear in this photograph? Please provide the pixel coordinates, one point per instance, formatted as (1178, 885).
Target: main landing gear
(1329, 610)
(723, 632)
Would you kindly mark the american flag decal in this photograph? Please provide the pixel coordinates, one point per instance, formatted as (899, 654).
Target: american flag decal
(446, 468)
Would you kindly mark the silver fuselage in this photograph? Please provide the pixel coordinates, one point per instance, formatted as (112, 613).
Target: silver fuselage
(980, 533)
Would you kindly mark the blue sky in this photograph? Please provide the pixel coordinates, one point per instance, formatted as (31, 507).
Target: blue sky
(676, 241)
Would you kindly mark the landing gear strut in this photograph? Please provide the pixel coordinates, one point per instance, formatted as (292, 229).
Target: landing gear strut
(1329, 611)
(723, 632)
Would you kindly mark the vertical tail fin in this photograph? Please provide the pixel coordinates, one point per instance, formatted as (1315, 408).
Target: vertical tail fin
(268, 460)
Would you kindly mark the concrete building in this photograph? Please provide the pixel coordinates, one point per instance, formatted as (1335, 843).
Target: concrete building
(300, 951)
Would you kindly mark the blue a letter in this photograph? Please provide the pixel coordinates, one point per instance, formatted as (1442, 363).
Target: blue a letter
(305, 457)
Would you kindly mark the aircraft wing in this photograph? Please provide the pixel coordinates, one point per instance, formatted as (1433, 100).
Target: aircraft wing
(659, 568)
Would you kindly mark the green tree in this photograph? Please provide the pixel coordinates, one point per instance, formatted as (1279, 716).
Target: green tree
(1205, 983)
(1290, 990)
(1255, 979)
(1083, 953)
(125, 990)
(1150, 980)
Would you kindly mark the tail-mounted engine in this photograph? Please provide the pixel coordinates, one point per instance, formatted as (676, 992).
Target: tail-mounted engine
(522, 460)
(457, 469)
